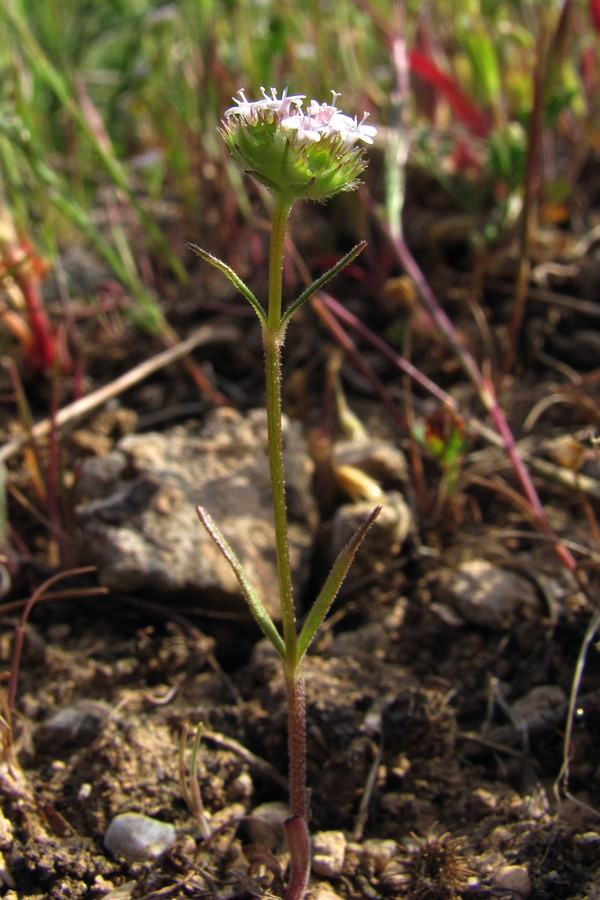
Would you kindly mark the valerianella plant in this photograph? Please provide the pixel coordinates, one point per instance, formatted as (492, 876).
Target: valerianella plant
(298, 154)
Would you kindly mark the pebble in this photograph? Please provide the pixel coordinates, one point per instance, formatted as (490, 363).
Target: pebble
(379, 851)
(329, 850)
(323, 892)
(78, 725)
(5, 874)
(514, 879)
(241, 788)
(137, 837)
(543, 703)
(487, 595)
(265, 824)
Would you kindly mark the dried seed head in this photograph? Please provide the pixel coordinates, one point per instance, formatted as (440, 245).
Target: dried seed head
(433, 867)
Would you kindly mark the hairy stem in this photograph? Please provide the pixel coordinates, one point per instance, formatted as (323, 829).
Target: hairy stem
(273, 336)
(296, 702)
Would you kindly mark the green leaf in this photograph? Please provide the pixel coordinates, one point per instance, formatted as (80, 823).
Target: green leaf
(234, 279)
(322, 604)
(484, 63)
(253, 600)
(319, 282)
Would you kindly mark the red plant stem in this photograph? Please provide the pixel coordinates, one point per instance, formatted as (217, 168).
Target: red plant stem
(350, 319)
(20, 632)
(483, 385)
(522, 473)
(296, 700)
(296, 827)
(53, 477)
(296, 833)
(43, 349)
(323, 304)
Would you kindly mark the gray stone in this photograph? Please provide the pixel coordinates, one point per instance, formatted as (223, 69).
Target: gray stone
(487, 595)
(515, 881)
(265, 824)
(137, 516)
(137, 837)
(72, 725)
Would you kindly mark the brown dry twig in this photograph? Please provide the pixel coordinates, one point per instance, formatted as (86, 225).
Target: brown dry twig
(76, 411)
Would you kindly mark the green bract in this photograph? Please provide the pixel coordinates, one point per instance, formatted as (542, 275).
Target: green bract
(297, 155)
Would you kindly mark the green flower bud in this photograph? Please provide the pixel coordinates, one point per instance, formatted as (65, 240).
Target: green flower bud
(296, 154)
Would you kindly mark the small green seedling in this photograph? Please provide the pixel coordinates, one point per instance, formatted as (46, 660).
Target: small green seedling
(446, 436)
(296, 154)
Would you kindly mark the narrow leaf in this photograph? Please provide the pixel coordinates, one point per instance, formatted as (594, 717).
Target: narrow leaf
(319, 282)
(234, 279)
(322, 604)
(253, 600)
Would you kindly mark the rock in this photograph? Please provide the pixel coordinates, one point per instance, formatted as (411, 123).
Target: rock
(241, 788)
(323, 892)
(6, 832)
(6, 878)
(137, 516)
(265, 824)
(380, 460)
(75, 725)
(137, 837)
(378, 852)
(487, 595)
(514, 882)
(543, 704)
(329, 849)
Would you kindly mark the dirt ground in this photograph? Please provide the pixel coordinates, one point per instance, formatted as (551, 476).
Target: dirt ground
(436, 731)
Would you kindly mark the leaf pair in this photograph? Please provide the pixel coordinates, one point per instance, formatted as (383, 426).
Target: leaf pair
(320, 607)
(255, 303)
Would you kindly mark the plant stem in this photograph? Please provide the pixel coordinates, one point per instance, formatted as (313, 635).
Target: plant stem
(273, 337)
(296, 701)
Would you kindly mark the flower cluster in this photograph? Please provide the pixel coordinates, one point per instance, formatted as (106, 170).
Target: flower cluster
(296, 153)
(321, 120)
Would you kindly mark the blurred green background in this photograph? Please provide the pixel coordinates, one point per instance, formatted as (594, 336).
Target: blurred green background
(128, 94)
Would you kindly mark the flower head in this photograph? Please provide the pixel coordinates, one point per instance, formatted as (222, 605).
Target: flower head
(296, 153)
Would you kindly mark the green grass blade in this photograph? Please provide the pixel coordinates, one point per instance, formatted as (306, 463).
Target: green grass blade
(322, 604)
(253, 600)
(43, 68)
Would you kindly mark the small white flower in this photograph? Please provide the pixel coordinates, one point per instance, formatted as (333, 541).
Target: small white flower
(280, 107)
(306, 127)
(320, 119)
(322, 112)
(243, 109)
(249, 110)
(351, 130)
